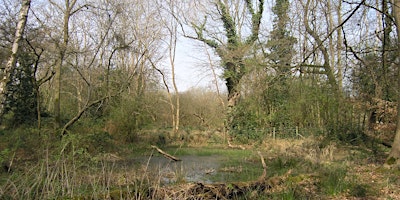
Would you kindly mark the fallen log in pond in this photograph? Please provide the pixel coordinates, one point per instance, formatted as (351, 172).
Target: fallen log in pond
(166, 154)
(220, 190)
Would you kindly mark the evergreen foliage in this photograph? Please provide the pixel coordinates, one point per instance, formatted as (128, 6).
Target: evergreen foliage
(280, 43)
(21, 100)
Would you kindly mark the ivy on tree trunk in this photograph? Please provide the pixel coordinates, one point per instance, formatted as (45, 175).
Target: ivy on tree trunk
(232, 52)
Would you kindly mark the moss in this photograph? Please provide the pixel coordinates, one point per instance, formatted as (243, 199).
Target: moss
(359, 190)
(391, 161)
(297, 179)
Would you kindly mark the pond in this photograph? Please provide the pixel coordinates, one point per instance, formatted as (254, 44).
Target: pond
(192, 168)
(204, 165)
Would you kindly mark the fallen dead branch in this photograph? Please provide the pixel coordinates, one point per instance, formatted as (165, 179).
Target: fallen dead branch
(264, 174)
(235, 146)
(220, 190)
(166, 154)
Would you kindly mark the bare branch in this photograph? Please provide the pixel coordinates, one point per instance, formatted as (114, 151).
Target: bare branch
(333, 30)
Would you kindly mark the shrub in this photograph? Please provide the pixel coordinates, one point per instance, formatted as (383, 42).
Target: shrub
(126, 119)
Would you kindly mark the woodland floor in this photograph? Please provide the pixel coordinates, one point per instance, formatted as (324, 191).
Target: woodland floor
(310, 168)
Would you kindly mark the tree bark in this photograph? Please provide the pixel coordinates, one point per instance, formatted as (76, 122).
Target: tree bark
(69, 5)
(394, 155)
(172, 53)
(339, 47)
(8, 70)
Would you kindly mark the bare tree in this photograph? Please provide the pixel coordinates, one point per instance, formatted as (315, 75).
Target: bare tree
(68, 11)
(117, 63)
(170, 23)
(326, 66)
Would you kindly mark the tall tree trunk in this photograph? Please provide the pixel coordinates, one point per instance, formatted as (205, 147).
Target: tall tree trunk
(339, 47)
(175, 106)
(394, 155)
(9, 68)
(387, 29)
(177, 100)
(173, 38)
(331, 25)
(62, 50)
(171, 25)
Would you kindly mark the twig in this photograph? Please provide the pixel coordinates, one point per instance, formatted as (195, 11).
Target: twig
(11, 163)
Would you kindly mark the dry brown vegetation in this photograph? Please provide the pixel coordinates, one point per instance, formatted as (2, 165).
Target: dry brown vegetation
(310, 168)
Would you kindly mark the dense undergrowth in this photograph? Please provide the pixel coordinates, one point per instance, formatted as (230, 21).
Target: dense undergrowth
(93, 165)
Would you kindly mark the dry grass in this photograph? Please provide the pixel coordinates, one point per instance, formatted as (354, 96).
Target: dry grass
(367, 177)
(69, 173)
(306, 148)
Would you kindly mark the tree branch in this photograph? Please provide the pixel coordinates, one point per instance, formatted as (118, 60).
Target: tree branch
(333, 30)
(79, 115)
(256, 20)
(229, 25)
(199, 32)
